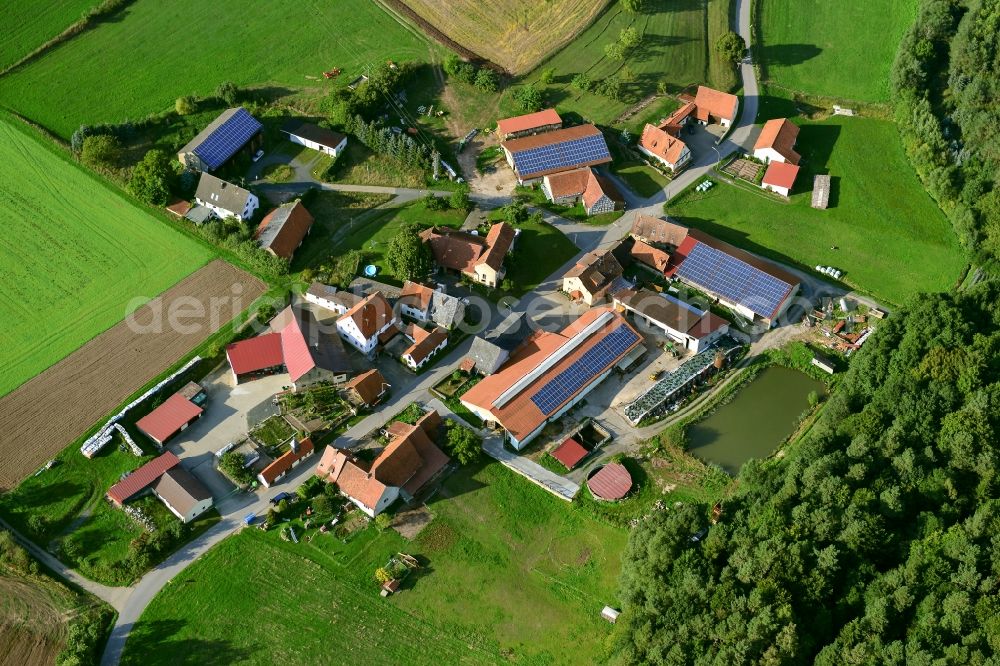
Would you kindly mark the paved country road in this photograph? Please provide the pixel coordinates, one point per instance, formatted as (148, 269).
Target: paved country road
(131, 602)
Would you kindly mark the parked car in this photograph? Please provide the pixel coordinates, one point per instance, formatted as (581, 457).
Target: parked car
(259, 154)
(280, 496)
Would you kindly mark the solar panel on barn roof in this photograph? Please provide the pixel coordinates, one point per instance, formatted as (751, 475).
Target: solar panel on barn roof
(228, 138)
(734, 280)
(594, 361)
(562, 155)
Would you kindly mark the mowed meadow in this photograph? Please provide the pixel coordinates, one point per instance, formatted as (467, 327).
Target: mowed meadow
(673, 52)
(838, 49)
(515, 34)
(72, 255)
(154, 52)
(29, 24)
(886, 234)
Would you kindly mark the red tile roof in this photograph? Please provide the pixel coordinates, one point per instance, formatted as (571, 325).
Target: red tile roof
(415, 295)
(142, 478)
(371, 315)
(678, 116)
(427, 342)
(715, 103)
(169, 417)
(661, 144)
(252, 354)
(284, 462)
(294, 225)
(649, 255)
(539, 354)
(179, 207)
(409, 461)
(657, 230)
(568, 183)
(779, 135)
(498, 242)
(611, 482)
(597, 187)
(527, 122)
(368, 385)
(569, 453)
(456, 250)
(780, 174)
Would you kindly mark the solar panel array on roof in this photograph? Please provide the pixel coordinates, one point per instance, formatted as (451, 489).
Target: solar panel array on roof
(594, 361)
(229, 137)
(734, 280)
(562, 155)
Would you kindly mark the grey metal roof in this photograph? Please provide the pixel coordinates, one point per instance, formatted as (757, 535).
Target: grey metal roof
(366, 287)
(444, 310)
(219, 193)
(278, 218)
(181, 489)
(487, 355)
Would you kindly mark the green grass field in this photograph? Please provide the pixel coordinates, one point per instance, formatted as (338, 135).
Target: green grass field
(893, 240)
(510, 574)
(837, 49)
(72, 256)
(29, 24)
(673, 51)
(129, 68)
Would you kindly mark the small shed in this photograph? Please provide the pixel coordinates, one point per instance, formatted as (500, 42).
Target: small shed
(389, 586)
(610, 614)
(823, 363)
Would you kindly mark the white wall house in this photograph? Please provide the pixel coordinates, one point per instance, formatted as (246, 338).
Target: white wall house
(362, 325)
(313, 136)
(225, 199)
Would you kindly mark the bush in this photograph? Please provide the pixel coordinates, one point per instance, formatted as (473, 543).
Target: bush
(101, 151)
(37, 524)
(383, 521)
(232, 464)
(283, 506)
(460, 198)
(433, 202)
(487, 80)
(528, 98)
(228, 92)
(547, 76)
(185, 105)
(582, 83)
(463, 445)
(150, 179)
(322, 505)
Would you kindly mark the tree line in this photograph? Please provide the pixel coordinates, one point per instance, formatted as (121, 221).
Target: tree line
(873, 541)
(946, 82)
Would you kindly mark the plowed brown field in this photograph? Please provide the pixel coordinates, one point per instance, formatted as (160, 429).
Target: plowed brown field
(45, 414)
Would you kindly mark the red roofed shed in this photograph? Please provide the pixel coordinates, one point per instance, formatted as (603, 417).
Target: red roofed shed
(142, 478)
(570, 453)
(168, 419)
(255, 354)
(612, 482)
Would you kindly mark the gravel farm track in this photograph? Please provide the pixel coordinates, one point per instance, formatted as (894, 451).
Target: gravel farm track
(45, 414)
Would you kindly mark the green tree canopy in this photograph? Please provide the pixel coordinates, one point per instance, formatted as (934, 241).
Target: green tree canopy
(487, 80)
(408, 257)
(528, 98)
(874, 541)
(185, 105)
(228, 92)
(464, 446)
(731, 47)
(150, 180)
(101, 150)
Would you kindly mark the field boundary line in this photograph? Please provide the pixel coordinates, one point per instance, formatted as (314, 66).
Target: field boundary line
(92, 19)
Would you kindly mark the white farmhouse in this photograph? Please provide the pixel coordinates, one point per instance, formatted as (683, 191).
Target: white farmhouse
(313, 136)
(225, 199)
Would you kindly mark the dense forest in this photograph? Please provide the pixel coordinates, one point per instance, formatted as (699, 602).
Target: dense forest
(875, 541)
(946, 83)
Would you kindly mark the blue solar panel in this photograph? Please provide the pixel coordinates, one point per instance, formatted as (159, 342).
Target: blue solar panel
(593, 362)
(733, 280)
(563, 155)
(227, 138)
